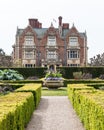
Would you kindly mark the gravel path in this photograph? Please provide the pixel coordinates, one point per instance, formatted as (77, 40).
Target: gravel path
(54, 113)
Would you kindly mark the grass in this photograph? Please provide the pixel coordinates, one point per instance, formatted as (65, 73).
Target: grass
(54, 92)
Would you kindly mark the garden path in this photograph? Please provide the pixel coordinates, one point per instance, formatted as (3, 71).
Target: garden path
(54, 113)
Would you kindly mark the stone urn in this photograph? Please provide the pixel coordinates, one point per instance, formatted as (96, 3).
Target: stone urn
(53, 80)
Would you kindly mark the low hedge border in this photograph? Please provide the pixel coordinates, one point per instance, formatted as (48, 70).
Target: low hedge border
(35, 89)
(96, 85)
(73, 87)
(89, 105)
(82, 81)
(16, 110)
(21, 81)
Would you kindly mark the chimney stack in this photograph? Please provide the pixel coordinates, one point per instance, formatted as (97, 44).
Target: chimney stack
(60, 21)
(35, 23)
(65, 26)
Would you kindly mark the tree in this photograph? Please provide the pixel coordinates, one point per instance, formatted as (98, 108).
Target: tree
(2, 52)
(97, 60)
(5, 60)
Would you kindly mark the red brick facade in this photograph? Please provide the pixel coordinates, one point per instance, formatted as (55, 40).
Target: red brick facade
(51, 47)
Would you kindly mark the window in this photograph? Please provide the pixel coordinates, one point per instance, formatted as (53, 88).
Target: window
(29, 65)
(73, 41)
(51, 55)
(29, 40)
(73, 65)
(51, 41)
(73, 54)
(29, 55)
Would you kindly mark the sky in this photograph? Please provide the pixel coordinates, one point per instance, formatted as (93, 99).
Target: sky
(87, 15)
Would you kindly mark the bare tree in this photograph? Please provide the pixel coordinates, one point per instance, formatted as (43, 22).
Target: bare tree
(5, 60)
(97, 60)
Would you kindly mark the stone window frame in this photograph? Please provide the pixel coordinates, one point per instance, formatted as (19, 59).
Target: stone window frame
(51, 41)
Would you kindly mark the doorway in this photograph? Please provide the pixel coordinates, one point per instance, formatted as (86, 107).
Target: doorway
(51, 68)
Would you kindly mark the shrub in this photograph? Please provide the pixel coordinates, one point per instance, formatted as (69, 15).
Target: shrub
(34, 88)
(68, 71)
(88, 104)
(77, 75)
(16, 110)
(53, 75)
(101, 76)
(87, 76)
(8, 74)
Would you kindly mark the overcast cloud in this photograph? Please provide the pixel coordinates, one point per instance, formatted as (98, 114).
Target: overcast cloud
(85, 14)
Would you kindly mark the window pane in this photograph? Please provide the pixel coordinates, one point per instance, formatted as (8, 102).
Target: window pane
(29, 40)
(29, 55)
(73, 41)
(51, 55)
(74, 54)
(51, 40)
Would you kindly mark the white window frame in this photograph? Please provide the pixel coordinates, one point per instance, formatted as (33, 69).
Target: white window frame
(51, 41)
(73, 54)
(29, 40)
(51, 55)
(29, 55)
(73, 41)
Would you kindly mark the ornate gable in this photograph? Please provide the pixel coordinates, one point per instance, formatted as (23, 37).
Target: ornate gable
(51, 30)
(29, 31)
(73, 31)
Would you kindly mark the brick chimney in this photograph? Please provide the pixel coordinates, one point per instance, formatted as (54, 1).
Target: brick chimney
(65, 26)
(60, 25)
(40, 25)
(35, 23)
(60, 21)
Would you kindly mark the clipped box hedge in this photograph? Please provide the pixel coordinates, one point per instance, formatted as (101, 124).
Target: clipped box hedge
(73, 87)
(96, 85)
(82, 81)
(67, 72)
(34, 88)
(28, 72)
(89, 105)
(16, 110)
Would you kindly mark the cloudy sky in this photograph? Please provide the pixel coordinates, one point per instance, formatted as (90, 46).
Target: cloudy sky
(85, 14)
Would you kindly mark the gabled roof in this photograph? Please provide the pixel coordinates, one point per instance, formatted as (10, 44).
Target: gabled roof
(41, 31)
(19, 31)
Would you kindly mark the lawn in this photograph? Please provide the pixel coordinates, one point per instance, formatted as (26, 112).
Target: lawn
(54, 92)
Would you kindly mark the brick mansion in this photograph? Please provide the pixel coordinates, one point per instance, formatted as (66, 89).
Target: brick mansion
(49, 47)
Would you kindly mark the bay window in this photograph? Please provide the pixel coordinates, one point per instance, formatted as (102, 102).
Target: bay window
(73, 54)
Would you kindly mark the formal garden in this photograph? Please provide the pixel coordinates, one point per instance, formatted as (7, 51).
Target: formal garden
(21, 90)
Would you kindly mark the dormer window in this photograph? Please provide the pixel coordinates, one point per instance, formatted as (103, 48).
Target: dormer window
(73, 41)
(51, 41)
